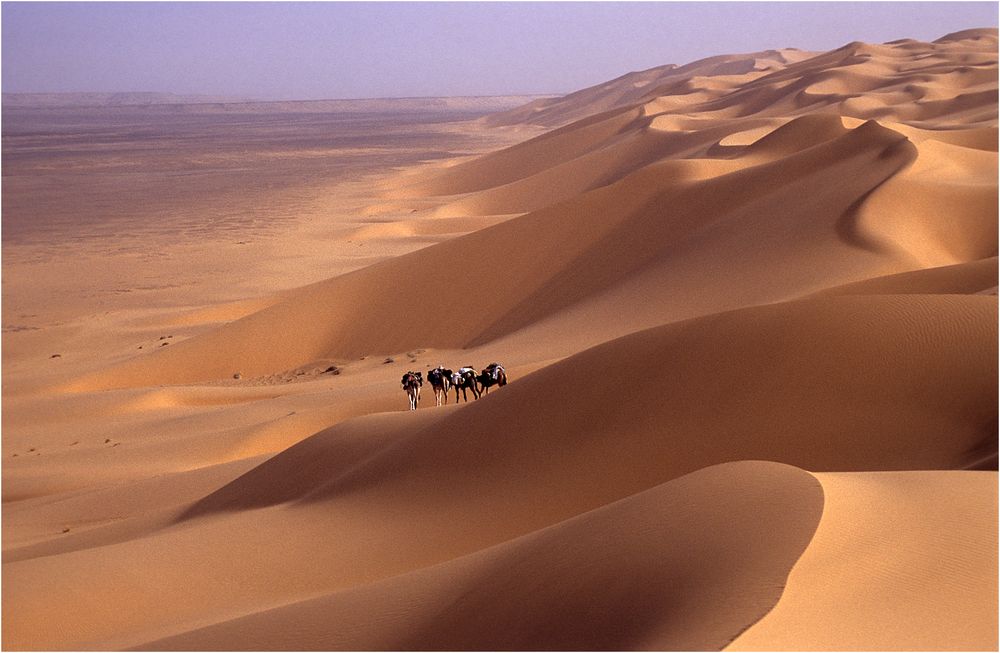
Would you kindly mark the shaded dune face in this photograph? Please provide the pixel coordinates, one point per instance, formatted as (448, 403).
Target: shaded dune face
(636, 574)
(634, 199)
(748, 308)
(848, 383)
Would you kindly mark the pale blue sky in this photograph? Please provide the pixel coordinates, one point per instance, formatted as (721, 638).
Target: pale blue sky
(313, 50)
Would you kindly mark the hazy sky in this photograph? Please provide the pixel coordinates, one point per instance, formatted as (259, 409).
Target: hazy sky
(313, 50)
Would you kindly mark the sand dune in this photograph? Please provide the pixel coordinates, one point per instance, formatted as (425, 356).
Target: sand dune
(959, 279)
(780, 78)
(637, 87)
(748, 307)
(842, 559)
(696, 380)
(662, 227)
(644, 556)
(476, 470)
(936, 591)
(523, 159)
(744, 572)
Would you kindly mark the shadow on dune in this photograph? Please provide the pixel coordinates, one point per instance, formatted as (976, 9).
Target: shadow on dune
(835, 383)
(686, 565)
(646, 225)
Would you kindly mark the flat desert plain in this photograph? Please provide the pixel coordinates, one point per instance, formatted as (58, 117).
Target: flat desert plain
(747, 307)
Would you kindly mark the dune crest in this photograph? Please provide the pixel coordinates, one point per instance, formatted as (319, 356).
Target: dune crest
(517, 595)
(917, 515)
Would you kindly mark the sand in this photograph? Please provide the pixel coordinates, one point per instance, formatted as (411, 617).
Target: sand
(747, 306)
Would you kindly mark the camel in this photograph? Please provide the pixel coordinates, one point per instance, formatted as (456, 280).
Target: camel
(411, 384)
(440, 379)
(464, 380)
(493, 375)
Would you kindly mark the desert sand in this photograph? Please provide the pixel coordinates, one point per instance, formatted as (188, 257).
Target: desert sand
(748, 307)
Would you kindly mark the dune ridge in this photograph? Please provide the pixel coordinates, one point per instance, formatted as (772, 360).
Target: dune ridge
(615, 244)
(687, 361)
(517, 593)
(921, 513)
(877, 202)
(748, 307)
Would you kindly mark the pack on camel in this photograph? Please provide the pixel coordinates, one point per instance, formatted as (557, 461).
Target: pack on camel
(411, 385)
(465, 379)
(440, 379)
(493, 375)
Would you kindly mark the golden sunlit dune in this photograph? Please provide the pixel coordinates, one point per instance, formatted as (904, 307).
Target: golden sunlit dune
(747, 307)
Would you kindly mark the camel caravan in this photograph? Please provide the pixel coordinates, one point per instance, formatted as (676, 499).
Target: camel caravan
(464, 380)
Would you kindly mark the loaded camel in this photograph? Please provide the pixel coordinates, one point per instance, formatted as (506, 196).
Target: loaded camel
(465, 379)
(493, 375)
(440, 379)
(411, 385)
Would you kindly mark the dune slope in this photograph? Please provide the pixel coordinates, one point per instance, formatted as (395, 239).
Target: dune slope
(775, 176)
(637, 573)
(763, 383)
(606, 248)
(908, 560)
